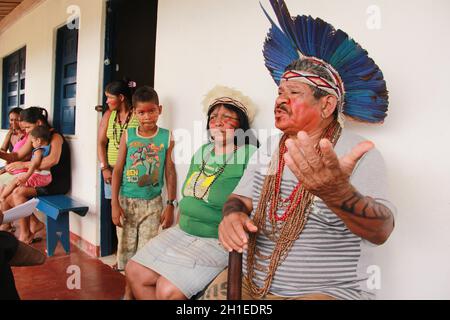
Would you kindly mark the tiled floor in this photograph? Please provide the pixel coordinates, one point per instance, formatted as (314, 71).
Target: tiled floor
(57, 278)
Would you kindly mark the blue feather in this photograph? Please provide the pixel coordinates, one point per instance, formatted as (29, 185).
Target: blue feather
(366, 97)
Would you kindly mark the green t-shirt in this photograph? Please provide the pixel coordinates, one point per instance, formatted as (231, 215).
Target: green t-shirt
(201, 217)
(143, 173)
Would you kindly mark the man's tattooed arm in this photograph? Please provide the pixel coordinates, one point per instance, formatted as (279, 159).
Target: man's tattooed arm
(362, 215)
(237, 204)
(365, 207)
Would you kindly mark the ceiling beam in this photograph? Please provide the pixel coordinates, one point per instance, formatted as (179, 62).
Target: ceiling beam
(23, 8)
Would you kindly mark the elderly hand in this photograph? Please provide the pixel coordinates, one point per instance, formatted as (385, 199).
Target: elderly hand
(326, 177)
(233, 231)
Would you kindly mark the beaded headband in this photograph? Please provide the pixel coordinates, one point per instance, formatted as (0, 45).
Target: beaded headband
(228, 100)
(225, 95)
(335, 88)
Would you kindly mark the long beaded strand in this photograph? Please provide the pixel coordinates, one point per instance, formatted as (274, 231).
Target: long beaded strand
(292, 221)
(116, 138)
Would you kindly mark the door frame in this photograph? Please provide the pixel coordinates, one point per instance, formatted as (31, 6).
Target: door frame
(106, 228)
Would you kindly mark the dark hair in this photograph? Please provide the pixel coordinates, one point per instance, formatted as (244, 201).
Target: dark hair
(15, 110)
(243, 134)
(41, 132)
(34, 114)
(122, 87)
(145, 94)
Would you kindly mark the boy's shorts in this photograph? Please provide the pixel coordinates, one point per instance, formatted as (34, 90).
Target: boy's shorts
(141, 223)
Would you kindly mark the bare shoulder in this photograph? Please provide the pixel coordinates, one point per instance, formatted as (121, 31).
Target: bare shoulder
(57, 138)
(107, 114)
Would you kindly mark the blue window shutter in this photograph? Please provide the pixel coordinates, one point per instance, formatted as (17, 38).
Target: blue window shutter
(13, 84)
(66, 80)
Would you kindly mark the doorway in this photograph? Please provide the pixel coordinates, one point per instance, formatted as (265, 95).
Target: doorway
(130, 42)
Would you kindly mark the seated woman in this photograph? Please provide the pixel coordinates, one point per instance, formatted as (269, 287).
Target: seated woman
(58, 162)
(15, 133)
(40, 139)
(182, 260)
(14, 140)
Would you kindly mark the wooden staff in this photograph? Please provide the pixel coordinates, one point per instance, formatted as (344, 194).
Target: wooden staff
(234, 288)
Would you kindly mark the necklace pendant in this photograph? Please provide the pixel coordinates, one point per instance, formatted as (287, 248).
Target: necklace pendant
(282, 204)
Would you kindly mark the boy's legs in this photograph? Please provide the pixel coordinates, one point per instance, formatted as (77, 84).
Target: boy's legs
(128, 237)
(149, 215)
(125, 240)
(128, 233)
(144, 215)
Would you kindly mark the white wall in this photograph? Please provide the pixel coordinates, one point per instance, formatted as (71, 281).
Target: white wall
(201, 43)
(37, 30)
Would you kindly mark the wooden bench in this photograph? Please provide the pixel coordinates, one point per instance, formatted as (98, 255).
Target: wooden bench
(57, 208)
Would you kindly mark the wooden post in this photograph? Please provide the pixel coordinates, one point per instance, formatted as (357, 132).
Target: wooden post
(234, 288)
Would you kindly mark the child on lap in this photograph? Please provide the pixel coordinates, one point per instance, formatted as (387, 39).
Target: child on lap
(40, 138)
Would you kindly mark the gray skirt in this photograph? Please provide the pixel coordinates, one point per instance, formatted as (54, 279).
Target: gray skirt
(189, 262)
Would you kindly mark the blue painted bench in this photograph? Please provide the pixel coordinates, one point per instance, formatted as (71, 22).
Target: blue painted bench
(57, 208)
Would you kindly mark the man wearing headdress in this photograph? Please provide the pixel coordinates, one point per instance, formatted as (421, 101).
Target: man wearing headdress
(308, 221)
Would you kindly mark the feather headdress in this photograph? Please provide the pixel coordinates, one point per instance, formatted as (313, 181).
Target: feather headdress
(301, 37)
(226, 95)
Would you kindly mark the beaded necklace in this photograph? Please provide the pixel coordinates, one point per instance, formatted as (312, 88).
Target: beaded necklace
(122, 127)
(284, 230)
(216, 174)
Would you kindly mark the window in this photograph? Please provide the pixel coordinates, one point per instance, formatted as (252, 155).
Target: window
(66, 80)
(13, 84)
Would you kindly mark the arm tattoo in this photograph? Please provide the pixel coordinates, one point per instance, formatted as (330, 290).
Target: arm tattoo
(365, 207)
(234, 205)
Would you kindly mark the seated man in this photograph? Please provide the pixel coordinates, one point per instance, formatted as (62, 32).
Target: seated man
(307, 222)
